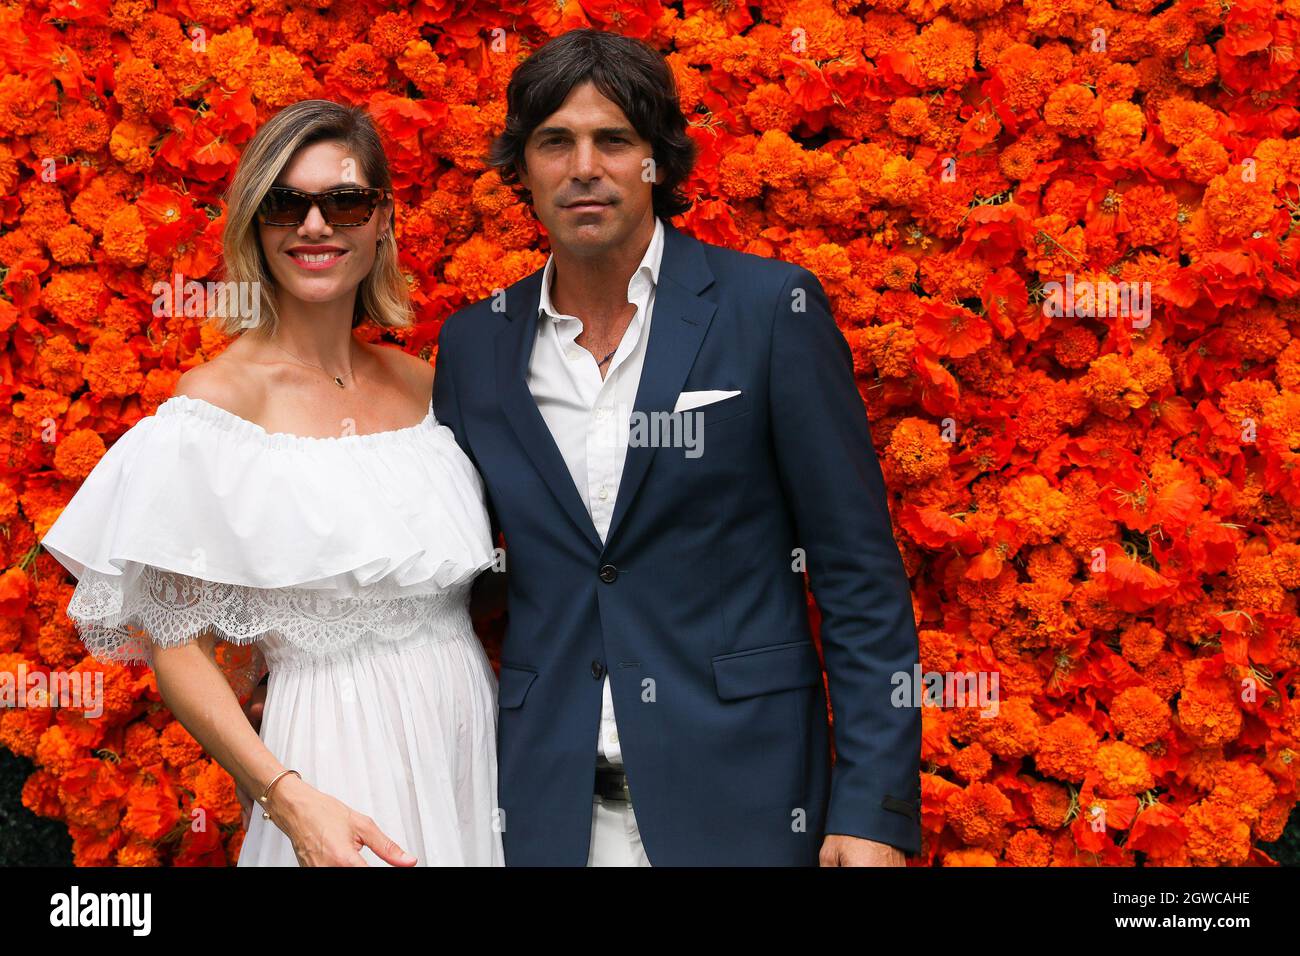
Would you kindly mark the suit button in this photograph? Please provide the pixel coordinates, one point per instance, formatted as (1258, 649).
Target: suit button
(608, 573)
(597, 670)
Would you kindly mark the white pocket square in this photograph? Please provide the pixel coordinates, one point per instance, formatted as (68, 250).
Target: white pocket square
(688, 400)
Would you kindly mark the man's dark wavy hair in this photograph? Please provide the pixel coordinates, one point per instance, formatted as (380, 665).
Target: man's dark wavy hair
(625, 70)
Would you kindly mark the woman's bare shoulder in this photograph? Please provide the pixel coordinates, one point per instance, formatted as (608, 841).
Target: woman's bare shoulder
(414, 370)
(227, 382)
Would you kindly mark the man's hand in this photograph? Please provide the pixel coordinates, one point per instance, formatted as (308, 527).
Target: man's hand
(839, 849)
(487, 596)
(253, 711)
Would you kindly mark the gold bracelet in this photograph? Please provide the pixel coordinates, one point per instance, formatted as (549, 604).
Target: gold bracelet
(267, 792)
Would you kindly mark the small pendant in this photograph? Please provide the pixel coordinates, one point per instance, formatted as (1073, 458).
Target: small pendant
(338, 381)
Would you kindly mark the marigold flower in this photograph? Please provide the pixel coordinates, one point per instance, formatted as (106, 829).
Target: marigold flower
(1141, 642)
(917, 450)
(768, 107)
(1216, 836)
(76, 455)
(1013, 731)
(124, 237)
(1071, 108)
(22, 730)
(1286, 565)
(179, 749)
(20, 102)
(391, 32)
(1112, 387)
(86, 128)
(1202, 159)
(1117, 82)
(1237, 206)
(1246, 787)
(142, 90)
(978, 815)
(1028, 848)
(1049, 804)
(141, 744)
(281, 79)
(945, 52)
(112, 369)
(233, 55)
(1067, 749)
(214, 790)
(1076, 347)
(360, 68)
(971, 763)
(152, 809)
(1207, 708)
(1122, 769)
(139, 852)
(1121, 130)
(738, 176)
(1259, 332)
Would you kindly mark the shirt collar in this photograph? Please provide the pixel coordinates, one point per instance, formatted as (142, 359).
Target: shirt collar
(647, 270)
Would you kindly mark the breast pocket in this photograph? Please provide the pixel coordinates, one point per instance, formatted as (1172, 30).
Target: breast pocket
(721, 410)
(717, 424)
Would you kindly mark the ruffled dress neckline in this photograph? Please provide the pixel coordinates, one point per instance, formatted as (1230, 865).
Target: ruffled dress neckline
(197, 519)
(216, 415)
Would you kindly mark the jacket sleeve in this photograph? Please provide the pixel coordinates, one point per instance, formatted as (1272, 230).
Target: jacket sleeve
(447, 407)
(836, 492)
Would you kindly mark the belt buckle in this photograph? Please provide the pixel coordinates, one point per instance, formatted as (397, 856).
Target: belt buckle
(612, 785)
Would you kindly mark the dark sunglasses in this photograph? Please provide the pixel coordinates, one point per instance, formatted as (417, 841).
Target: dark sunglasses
(349, 206)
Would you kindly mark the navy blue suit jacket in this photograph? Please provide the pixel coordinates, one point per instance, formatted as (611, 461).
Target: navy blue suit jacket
(691, 604)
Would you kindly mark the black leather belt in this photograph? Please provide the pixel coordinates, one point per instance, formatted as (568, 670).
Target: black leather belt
(612, 784)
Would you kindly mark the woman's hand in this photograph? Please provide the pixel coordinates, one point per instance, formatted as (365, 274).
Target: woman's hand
(325, 831)
(245, 807)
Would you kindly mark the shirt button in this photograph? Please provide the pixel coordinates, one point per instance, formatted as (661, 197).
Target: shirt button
(573, 354)
(602, 413)
(608, 573)
(604, 493)
(613, 738)
(597, 669)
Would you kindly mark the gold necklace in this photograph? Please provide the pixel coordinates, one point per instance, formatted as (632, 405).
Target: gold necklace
(338, 380)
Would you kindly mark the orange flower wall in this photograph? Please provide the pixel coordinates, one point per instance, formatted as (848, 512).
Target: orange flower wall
(1100, 509)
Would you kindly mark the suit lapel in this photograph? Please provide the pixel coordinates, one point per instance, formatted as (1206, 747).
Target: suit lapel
(514, 347)
(679, 322)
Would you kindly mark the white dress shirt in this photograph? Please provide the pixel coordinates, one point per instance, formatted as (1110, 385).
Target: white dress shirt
(588, 416)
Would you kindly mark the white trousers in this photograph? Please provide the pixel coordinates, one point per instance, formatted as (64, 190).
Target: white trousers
(615, 837)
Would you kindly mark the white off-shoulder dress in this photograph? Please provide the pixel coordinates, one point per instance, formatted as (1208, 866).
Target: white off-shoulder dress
(345, 563)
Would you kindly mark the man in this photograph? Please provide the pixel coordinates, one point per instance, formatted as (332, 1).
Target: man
(658, 646)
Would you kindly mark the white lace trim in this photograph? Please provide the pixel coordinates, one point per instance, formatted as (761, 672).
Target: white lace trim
(121, 618)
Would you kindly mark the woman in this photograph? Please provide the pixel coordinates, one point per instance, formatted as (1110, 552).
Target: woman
(298, 494)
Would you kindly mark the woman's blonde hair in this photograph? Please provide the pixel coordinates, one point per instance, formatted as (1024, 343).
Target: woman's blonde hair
(383, 296)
